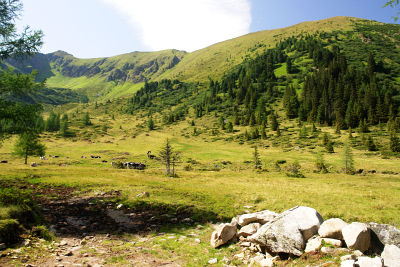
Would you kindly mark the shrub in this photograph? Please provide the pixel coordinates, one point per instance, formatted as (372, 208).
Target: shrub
(293, 170)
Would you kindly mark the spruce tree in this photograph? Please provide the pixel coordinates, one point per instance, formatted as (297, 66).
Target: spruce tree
(229, 127)
(274, 122)
(150, 124)
(320, 163)
(371, 144)
(256, 158)
(86, 119)
(348, 160)
(329, 147)
(394, 143)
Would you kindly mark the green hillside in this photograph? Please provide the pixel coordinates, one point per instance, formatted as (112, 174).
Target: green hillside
(215, 60)
(123, 75)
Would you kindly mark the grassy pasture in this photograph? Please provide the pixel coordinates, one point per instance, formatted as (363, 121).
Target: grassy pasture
(216, 179)
(221, 178)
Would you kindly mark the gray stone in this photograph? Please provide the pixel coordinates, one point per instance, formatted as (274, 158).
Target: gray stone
(364, 261)
(332, 228)
(2, 246)
(387, 234)
(313, 244)
(222, 234)
(391, 256)
(289, 231)
(348, 263)
(383, 234)
(357, 236)
(249, 229)
(261, 217)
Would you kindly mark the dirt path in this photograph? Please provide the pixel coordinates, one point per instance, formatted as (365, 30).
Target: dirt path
(90, 231)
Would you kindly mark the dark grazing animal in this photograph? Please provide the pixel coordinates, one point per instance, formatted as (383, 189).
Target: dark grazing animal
(150, 156)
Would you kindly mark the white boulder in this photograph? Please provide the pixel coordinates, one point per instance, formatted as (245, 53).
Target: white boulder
(222, 234)
(289, 231)
(332, 228)
(357, 236)
(391, 256)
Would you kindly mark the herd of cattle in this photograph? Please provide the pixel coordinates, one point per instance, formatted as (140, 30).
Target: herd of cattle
(120, 165)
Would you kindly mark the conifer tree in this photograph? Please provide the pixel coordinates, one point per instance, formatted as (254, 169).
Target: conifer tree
(371, 144)
(274, 122)
(28, 144)
(150, 124)
(229, 127)
(86, 119)
(168, 156)
(256, 157)
(348, 160)
(394, 143)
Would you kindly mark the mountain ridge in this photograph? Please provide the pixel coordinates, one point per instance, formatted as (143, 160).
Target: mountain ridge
(120, 75)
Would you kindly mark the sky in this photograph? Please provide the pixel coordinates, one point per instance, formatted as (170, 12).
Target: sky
(100, 28)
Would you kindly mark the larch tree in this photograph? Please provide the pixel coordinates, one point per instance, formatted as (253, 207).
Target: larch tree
(168, 156)
(28, 144)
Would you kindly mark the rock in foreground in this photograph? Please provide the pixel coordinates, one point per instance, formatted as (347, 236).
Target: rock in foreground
(332, 228)
(289, 231)
(391, 256)
(357, 236)
(222, 234)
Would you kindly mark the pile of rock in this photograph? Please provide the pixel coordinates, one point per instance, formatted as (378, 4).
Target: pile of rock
(302, 230)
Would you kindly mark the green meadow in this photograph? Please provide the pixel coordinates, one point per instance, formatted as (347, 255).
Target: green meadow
(216, 175)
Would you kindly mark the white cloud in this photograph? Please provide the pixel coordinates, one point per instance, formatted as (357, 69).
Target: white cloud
(185, 24)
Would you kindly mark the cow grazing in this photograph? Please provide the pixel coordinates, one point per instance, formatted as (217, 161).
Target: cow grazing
(128, 165)
(150, 156)
(134, 165)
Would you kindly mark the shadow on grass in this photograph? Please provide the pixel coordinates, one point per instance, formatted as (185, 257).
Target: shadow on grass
(77, 217)
(69, 216)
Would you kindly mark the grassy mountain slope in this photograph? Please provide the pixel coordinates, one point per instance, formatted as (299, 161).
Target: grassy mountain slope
(215, 60)
(107, 78)
(110, 77)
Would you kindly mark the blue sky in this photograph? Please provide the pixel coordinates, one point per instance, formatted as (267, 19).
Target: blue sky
(98, 28)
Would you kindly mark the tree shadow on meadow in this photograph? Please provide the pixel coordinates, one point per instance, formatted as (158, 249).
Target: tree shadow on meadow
(77, 217)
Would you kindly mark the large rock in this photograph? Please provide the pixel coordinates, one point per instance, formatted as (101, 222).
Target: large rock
(332, 228)
(249, 229)
(357, 236)
(260, 217)
(387, 234)
(289, 231)
(369, 262)
(391, 256)
(222, 234)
